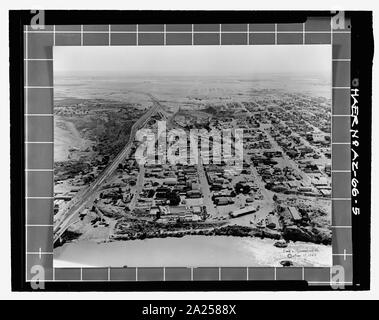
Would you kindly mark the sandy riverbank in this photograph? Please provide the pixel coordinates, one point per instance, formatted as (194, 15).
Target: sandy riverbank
(191, 251)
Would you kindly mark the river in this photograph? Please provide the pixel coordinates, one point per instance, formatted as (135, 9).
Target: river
(191, 251)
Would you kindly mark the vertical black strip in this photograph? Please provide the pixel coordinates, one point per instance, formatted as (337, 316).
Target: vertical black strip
(361, 77)
(16, 76)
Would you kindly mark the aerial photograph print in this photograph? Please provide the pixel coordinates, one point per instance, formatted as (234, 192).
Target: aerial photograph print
(192, 156)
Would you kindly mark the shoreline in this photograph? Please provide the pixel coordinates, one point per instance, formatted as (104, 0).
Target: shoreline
(228, 231)
(207, 251)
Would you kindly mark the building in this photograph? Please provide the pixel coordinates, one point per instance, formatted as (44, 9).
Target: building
(170, 181)
(193, 194)
(294, 213)
(242, 212)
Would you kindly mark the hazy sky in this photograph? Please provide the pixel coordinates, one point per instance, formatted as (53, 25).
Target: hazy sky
(195, 60)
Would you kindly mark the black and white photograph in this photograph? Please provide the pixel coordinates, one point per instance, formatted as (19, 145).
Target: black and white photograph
(189, 157)
(192, 156)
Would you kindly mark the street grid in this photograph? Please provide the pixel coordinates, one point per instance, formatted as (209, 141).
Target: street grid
(39, 111)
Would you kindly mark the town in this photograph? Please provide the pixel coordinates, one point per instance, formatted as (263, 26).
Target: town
(277, 187)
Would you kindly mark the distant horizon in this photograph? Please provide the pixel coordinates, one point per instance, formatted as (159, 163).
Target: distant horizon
(197, 61)
(120, 73)
(113, 75)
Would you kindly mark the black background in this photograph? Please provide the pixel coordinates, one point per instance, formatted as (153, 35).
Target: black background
(361, 67)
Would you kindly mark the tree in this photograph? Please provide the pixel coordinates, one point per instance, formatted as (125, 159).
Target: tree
(246, 189)
(173, 198)
(239, 187)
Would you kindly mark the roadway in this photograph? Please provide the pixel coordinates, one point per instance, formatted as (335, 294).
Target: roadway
(138, 188)
(207, 195)
(89, 194)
